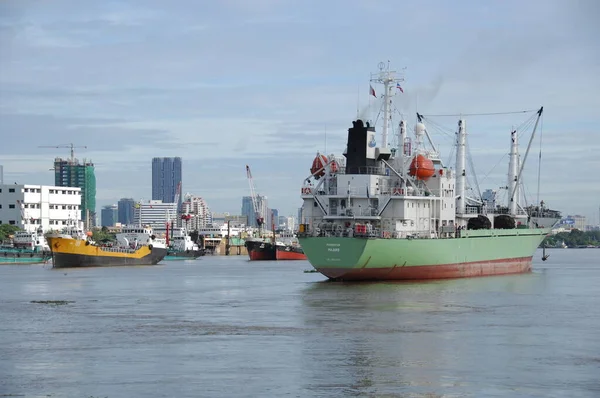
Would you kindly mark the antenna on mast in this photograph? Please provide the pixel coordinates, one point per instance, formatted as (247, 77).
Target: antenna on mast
(387, 77)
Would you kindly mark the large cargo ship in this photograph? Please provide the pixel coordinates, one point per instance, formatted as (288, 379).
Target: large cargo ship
(383, 213)
(135, 246)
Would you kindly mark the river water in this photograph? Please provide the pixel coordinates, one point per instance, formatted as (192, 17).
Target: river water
(227, 327)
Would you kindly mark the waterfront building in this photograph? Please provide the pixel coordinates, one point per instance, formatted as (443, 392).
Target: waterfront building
(33, 206)
(224, 218)
(154, 213)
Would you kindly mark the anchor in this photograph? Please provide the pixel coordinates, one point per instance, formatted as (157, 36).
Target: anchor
(544, 255)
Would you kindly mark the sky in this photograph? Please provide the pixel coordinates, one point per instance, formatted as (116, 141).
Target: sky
(269, 83)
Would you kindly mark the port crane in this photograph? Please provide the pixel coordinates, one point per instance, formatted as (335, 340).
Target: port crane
(71, 146)
(260, 219)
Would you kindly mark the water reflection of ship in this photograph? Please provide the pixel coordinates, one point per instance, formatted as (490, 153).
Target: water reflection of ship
(377, 338)
(368, 353)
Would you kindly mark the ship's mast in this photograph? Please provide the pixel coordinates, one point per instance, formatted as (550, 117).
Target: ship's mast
(513, 165)
(461, 172)
(386, 77)
(402, 138)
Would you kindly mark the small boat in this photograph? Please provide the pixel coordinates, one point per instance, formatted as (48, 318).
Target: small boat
(181, 247)
(27, 248)
(286, 251)
(135, 246)
(12, 255)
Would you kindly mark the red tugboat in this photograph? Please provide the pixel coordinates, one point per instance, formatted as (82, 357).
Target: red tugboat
(289, 252)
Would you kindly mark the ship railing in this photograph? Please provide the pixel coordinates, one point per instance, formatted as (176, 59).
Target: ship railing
(338, 230)
(117, 249)
(343, 233)
(360, 212)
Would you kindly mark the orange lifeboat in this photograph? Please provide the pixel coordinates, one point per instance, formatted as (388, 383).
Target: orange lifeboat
(421, 167)
(318, 163)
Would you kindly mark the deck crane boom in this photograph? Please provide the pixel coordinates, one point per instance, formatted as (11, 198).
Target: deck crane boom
(260, 219)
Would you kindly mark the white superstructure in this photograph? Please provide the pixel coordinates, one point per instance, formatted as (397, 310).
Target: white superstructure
(132, 236)
(33, 206)
(403, 192)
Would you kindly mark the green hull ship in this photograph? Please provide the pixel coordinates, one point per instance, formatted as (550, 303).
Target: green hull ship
(23, 256)
(475, 253)
(398, 213)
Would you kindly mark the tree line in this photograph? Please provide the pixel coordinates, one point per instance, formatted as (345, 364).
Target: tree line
(573, 238)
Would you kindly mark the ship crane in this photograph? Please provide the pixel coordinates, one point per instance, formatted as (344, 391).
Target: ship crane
(260, 219)
(71, 146)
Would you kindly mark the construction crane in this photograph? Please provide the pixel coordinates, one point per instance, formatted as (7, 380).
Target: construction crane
(260, 219)
(71, 146)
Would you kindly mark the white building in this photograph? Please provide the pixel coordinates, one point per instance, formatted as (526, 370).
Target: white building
(196, 212)
(32, 206)
(154, 213)
(291, 224)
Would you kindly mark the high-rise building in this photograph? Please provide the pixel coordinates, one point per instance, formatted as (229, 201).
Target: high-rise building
(291, 223)
(125, 211)
(248, 210)
(109, 215)
(71, 173)
(195, 213)
(166, 175)
(274, 213)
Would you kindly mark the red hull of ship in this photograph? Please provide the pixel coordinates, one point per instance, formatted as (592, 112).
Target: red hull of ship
(293, 254)
(260, 255)
(442, 271)
(260, 251)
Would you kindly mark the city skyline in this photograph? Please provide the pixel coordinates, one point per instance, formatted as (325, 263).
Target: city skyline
(273, 107)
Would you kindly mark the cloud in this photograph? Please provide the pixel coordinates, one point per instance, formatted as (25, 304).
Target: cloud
(224, 84)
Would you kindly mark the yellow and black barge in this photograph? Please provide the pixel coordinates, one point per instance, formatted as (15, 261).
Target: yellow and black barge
(68, 252)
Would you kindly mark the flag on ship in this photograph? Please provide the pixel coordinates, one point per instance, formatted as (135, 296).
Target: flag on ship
(372, 91)
(399, 87)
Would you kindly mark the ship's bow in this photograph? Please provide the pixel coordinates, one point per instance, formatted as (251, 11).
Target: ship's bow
(334, 257)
